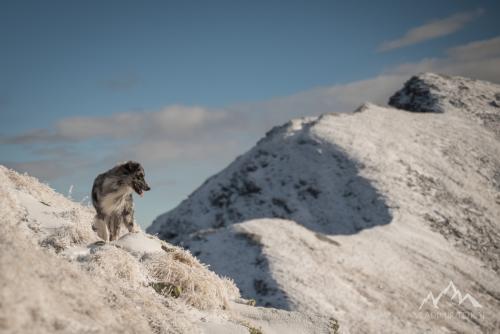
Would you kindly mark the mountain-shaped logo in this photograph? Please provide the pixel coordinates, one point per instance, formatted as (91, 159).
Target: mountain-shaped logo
(456, 296)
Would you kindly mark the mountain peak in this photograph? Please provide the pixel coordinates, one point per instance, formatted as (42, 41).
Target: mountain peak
(437, 93)
(294, 172)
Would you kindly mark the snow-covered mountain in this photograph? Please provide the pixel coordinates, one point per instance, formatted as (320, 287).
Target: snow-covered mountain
(55, 278)
(360, 215)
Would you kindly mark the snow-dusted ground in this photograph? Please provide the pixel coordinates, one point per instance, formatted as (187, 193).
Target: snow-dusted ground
(378, 208)
(55, 278)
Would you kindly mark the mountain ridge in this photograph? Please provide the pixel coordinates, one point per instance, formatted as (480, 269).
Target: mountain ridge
(382, 204)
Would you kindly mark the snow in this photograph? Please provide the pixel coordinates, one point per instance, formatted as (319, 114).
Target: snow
(360, 215)
(140, 243)
(429, 92)
(55, 276)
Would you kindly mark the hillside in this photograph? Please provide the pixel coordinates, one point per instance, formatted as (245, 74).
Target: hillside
(55, 278)
(360, 215)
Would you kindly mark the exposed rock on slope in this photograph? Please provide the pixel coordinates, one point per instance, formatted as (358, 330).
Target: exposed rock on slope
(382, 206)
(431, 92)
(55, 278)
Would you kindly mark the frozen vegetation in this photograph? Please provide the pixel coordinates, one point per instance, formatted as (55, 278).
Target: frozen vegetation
(55, 277)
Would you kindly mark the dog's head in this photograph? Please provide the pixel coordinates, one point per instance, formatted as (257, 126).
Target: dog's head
(135, 172)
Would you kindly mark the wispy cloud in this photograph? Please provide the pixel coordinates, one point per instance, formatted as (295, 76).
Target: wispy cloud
(29, 137)
(478, 59)
(123, 82)
(432, 29)
(170, 122)
(477, 50)
(171, 133)
(48, 169)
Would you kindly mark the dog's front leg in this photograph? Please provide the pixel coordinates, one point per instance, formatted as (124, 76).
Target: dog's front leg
(101, 229)
(114, 223)
(133, 228)
(128, 219)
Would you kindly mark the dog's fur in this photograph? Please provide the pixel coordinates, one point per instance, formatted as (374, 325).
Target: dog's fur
(112, 198)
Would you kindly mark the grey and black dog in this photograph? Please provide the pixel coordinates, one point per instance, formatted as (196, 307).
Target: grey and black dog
(112, 198)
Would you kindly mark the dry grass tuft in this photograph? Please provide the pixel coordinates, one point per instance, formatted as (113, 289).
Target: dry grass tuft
(117, 264)
(197, 285)
(75, 233)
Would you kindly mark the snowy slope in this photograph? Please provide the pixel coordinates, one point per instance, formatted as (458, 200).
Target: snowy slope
(381, 207)
(54, 277)
(291, 173)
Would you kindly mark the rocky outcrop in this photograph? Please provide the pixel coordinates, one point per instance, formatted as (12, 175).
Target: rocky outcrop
(429, 92)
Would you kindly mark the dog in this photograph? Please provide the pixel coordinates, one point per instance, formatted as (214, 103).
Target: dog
(112, 198)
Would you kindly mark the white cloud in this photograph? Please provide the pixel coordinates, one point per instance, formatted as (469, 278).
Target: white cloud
(477, 50)
(169, 122)
(431, 30)
(161, 151)
(337, 98)
(479, 59)
(172, 133)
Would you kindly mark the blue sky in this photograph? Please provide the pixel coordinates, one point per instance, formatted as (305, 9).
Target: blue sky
(185, 86)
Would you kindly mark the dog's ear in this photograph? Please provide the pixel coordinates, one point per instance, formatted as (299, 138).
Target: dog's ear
(132, 166)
